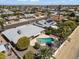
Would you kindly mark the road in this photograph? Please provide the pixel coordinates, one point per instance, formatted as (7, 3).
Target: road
(22, 23)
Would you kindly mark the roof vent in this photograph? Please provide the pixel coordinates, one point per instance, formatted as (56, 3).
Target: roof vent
(19, 32)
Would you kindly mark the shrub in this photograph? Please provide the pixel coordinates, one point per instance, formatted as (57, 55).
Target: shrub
(29, 55)
(37, 46)
(2, 55)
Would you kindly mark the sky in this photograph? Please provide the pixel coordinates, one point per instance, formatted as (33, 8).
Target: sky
(39, 2)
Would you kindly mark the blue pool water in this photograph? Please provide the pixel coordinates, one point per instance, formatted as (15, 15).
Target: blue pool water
(45, 40)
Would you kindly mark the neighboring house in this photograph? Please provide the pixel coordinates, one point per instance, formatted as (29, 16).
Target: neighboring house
(57, 17)
(53, 12)
(2, 48)
(72, 9)
(46, 23)
(29, 15)
(39, 14)
(6, 11)
(2, 52)
(5, 51)
(11, 18)
(77, 14)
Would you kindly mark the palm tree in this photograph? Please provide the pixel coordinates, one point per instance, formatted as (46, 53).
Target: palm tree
(48, 12)
(58, 9)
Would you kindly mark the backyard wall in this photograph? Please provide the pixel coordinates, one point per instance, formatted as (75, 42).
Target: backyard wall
(69, 49)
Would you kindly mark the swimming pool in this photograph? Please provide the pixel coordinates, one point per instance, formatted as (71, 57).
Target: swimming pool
(45, 40)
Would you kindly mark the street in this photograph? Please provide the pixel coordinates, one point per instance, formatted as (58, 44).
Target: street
(21, 23)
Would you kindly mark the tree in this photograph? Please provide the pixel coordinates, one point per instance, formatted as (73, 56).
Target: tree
(50, 30)
(29, 55)
(2, 21)
(23, 43)
(76, 9)
(46, 53)
(66, 28)
(72, 14)
(48, 12)
(59, 9)
(71, 24)
(64, 32)
(77, 19)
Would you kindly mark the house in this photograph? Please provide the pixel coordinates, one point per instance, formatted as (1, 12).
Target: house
(14, 34)
(9, 18)
(53, 12)
(6, 11)
(72, 9)
(46, 23)
(77, 14)
(2, 48)
(57, 17)
(29, 15)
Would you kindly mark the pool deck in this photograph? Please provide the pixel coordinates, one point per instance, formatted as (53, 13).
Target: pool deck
(32, 42)
(69, 49)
